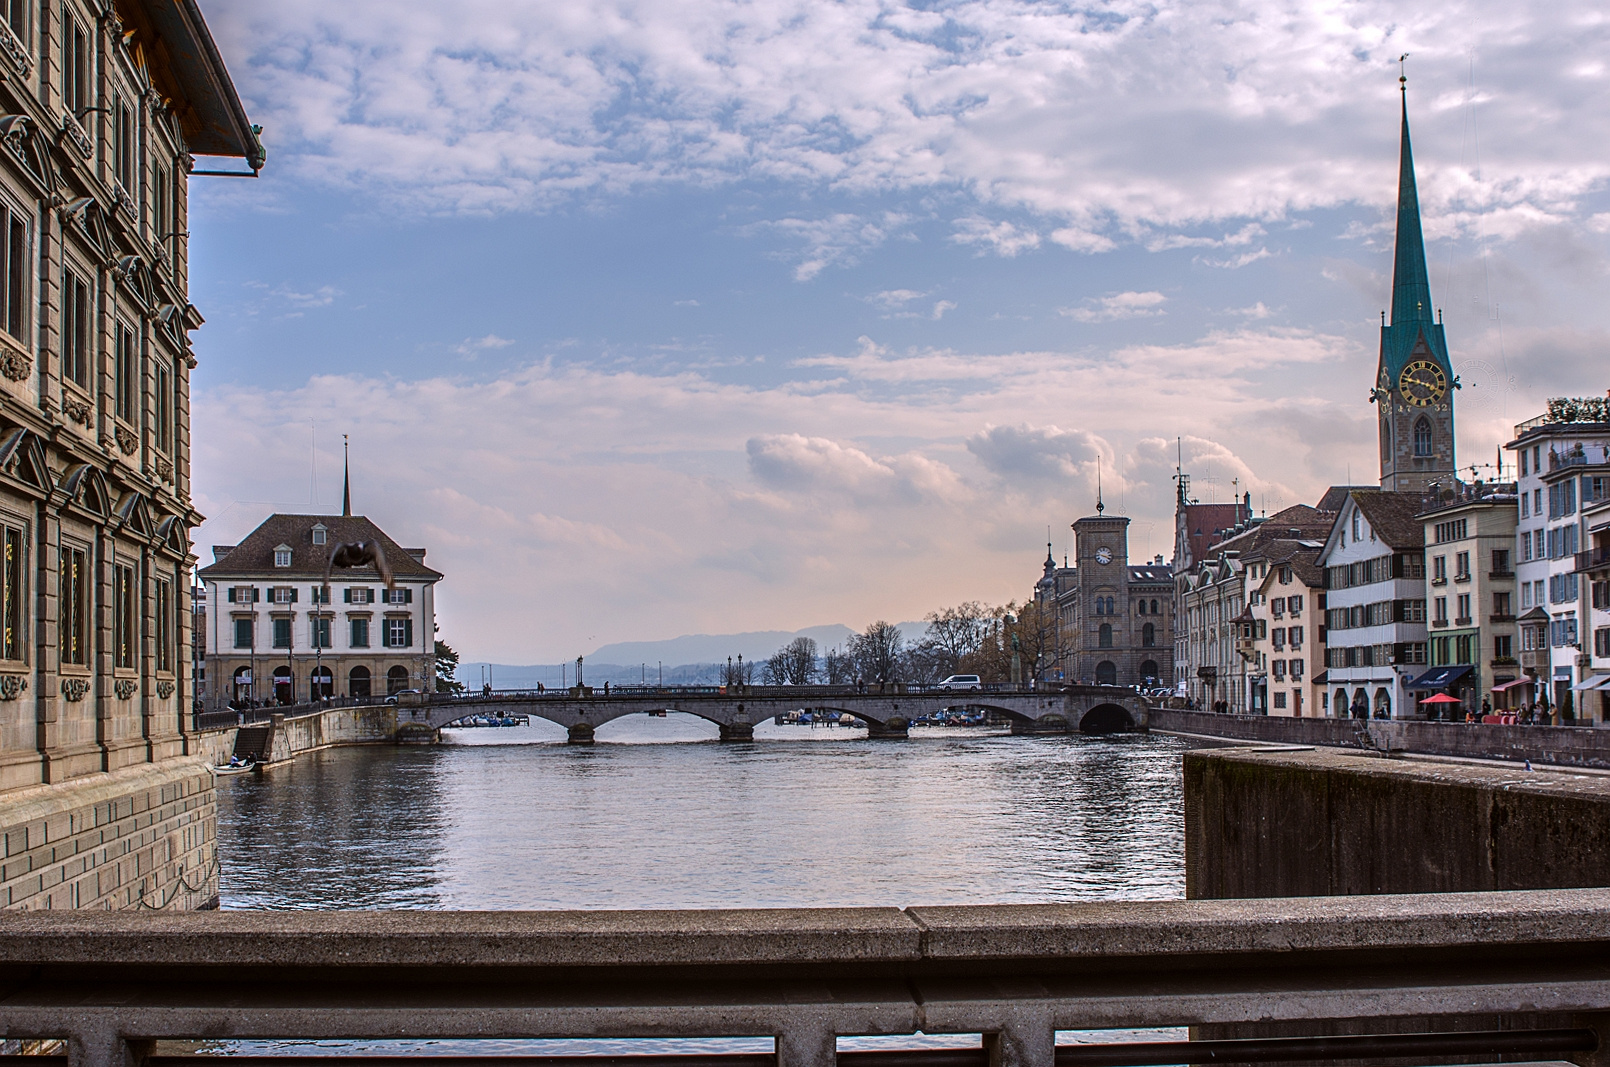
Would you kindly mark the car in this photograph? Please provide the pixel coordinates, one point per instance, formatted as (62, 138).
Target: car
(961, 681)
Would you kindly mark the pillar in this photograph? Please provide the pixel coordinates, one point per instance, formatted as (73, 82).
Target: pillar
(737, 731)
(581, 734)
(897, 728)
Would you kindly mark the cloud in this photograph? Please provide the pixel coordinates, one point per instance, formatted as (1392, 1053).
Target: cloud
(833, 240)
(941, 307)
(1002, 238)
(1118, 306)
(794, 462)
(471, 347)
(1125, 122)
(895, 299)
(1041, 452)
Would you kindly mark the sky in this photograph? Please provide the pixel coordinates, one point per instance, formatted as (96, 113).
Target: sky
(701, 316)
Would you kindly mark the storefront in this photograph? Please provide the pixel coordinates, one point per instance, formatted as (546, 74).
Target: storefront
(1456, 681)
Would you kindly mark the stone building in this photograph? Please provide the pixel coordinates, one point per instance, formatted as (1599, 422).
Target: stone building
(274, 637)
(103, 106)
(1114, 621)
(1593, 700)
(1286, 610)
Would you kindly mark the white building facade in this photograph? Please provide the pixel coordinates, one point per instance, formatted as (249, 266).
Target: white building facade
(274, 637)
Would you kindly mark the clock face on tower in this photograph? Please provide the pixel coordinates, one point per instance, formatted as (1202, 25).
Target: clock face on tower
(1104, 555)
(1422, 383)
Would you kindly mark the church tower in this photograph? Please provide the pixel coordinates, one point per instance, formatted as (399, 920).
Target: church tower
(1414, 383)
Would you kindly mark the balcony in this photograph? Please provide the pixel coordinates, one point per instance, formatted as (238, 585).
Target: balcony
(1500, 575)
(1536, 659)
(1440, 624)
(1462, 576)
(1504, 661)
(1462, 622)
(1593, 559)
(1500, 618)
(1439, 581)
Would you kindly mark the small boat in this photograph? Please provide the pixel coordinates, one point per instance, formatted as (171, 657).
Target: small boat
(235, 768)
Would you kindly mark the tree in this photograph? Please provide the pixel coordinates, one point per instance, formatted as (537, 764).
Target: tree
(875, 652)
(446, 667)
(793, 664)
(954, 633)
(837, 667)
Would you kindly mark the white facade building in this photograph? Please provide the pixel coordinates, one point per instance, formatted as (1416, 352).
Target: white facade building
(273, 638)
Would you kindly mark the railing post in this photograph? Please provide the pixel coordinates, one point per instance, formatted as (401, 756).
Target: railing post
(105, 1047)
(807, 1046)
(1025, 1042)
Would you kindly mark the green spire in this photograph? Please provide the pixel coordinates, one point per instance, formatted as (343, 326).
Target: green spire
(1411, 288)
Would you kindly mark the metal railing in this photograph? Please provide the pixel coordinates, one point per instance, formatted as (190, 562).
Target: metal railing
(1494, 974)
(223, 718)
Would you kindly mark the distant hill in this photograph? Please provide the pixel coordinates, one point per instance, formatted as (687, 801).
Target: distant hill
(692, 659)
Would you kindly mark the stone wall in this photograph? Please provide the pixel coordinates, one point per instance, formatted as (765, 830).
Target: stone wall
(1325, 822)
(1580, 746)
(144, 837)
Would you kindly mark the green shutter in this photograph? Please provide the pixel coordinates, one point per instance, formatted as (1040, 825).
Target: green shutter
(231, 591)
(293, 594)
(408, 598)
(408, 633)
(348, 594)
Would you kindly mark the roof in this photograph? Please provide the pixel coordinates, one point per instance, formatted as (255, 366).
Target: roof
(1393, 516)
(1308, 522)
(1413, 332)
(1336, 496)
(1151, 572)
(254, 556)
(1203, 523)
(188, 68)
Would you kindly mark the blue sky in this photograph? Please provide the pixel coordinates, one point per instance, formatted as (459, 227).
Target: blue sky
(651, 319)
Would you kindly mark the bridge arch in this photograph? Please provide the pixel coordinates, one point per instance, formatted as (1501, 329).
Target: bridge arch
(1107, 718)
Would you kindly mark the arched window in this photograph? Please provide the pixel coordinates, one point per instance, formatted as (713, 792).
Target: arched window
(1148, 671)
(1112, 608)
(1154, 607)
(1422, 436)
(1106, 673)
(1148, 636)
(1141, 608)
(1104, 636)
(243, 684)
(1386, 439)
(396, 680)
(358, 682)
(284, 691)
(322, 683)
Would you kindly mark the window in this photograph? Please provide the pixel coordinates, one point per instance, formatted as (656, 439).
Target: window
(15, 261)
(164, 404)
(319, 533)
(319, 635)
(360, 596)
(400, 633)
(1452, 530)
(1461, 567)
(284, 594)
(1279, 639)
(75, 327)
(406, 596)
(1601, 641)
(1148, 635)
(124, 362)
(74, 605)
(1464, 609)
(1154, 607)
(1526, 546)
(123, 601)
(1103, 636)
(1501, 604)
(1523, 463)
(397, 680)
(1439, 568)
(360, 633)
(1296, 635)
(282, 633)
(163, 604)
(75, 67)
(1440, 614)
(358, 682)
(1356, 521)
(1503, 647)
(1422, 437)
(161, 207)
(1537, 502)
(16, 18)
(12, 595)
(1294, 604)
(1524, 509)
(243, 633)
(1277, 607)
(1279, 667)
(1296, 668)
(1600, 592)
(282, 556)
(1500, 561)
(124, 145)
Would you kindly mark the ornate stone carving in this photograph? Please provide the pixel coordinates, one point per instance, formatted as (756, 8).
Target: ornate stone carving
(15, 365)
(164, 467)
(75, 133)
(125, 688)
(15, 50)
(74, 688)
(165, 689)
(127, 440)
(75, 409)
(11, 686)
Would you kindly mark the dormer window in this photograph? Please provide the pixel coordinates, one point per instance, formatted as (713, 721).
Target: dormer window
(282, 556)
(319, 533)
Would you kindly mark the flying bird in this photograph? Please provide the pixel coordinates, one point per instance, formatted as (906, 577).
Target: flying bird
(359, 554)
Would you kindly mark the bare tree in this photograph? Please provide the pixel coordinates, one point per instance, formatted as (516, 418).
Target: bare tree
(775, 672)
(957, 632)
(875, 652)
(837, 667)
(793, 664)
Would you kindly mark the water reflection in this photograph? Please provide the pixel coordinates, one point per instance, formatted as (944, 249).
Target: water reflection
(484, 823)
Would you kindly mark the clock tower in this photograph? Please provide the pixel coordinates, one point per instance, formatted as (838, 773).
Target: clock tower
(1414, 382)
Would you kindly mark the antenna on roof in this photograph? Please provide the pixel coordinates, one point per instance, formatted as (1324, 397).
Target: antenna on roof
(1100, 507)
(346, 476)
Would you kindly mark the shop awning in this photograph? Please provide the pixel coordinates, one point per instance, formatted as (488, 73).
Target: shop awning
(1507, 686)
(1440, 677)
(1596, 682)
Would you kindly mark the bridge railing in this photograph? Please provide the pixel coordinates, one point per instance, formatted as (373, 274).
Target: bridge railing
(1486, 975)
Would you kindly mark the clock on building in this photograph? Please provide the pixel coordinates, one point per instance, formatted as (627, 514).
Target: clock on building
(1104, 555)
(1422, 383)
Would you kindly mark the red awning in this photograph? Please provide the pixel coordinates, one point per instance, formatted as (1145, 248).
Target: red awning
(1507, 686)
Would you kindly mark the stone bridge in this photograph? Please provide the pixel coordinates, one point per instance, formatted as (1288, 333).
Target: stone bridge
(1091, 709)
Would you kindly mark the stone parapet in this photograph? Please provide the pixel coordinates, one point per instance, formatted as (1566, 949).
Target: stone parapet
(143, 837)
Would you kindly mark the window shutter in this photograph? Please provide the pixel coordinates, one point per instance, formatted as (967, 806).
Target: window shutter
(231, 594)
(293, 594)
(257, 594)
(408, 598)
(408, 633)
(348, 594)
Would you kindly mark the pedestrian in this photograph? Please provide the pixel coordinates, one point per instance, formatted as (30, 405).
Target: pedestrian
(1486, 708)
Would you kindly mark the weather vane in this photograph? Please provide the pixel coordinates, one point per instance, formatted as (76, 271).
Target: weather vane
(1403, 74)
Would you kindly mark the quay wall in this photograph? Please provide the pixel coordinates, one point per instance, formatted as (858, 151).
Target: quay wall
(141, 837)
(1578, 746)
(1325, 822)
